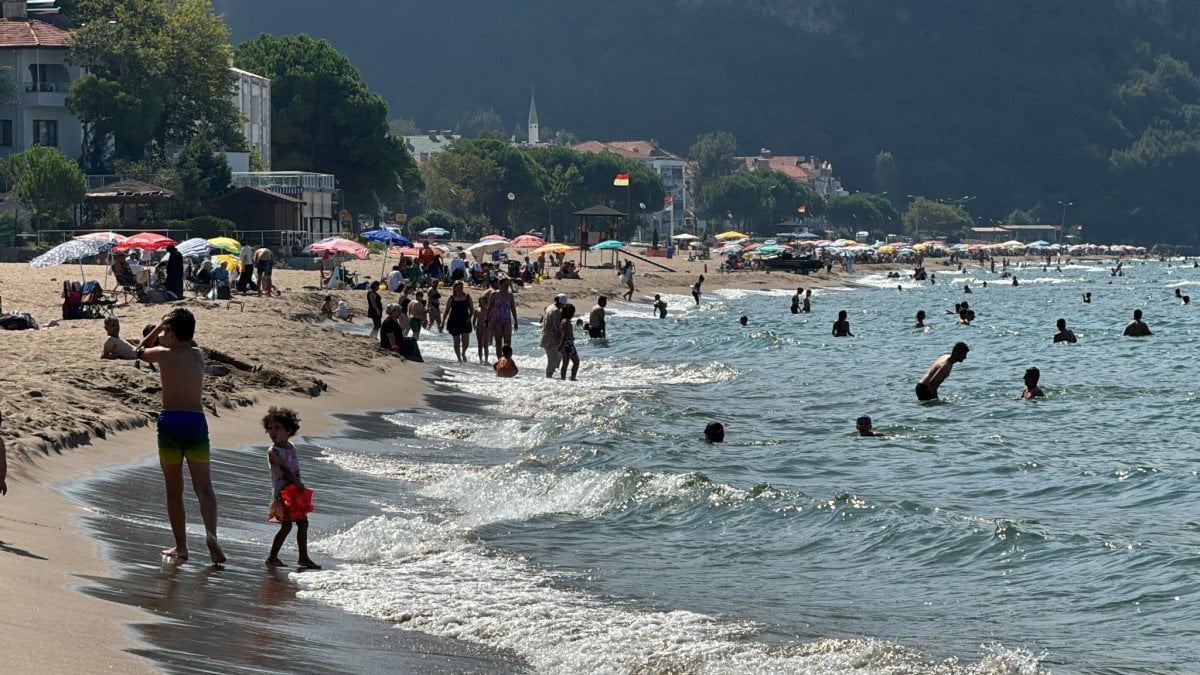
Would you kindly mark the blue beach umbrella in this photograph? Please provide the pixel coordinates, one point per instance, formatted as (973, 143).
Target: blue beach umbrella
(608, 245)
(386, 237)
(196, 247)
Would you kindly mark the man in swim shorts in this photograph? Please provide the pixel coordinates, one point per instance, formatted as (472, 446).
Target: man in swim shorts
(596, 318)
(927, 387)
(264, 262)
(182, 428)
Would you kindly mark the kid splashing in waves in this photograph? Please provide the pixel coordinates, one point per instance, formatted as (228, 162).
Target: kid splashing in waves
(281, 424)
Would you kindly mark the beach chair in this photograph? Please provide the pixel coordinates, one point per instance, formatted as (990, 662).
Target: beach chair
(92, 303)
(72, 297)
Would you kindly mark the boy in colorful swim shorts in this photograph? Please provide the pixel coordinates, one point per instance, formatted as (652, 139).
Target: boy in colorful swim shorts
(182, 429)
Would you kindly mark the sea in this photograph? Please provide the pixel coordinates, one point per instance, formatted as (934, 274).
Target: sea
(540, 525)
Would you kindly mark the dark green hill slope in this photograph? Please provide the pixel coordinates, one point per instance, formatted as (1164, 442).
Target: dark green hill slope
(1023, 103)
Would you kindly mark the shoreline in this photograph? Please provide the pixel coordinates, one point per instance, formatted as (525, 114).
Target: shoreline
(68, 414)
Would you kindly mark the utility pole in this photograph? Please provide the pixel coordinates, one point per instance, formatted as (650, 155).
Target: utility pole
(1062, 221)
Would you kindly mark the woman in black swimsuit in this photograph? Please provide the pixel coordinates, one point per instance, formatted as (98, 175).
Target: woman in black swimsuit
(457, 317)
(374, 307)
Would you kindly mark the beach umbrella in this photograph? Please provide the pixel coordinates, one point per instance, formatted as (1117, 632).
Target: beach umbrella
(552, 248)
(226, 244)
(110, 237)
(685, 237)
(147, 241)
(434, 232)
(731, 234)
(479, 248)
(770, 250)
(232, 262)
(404, 251)
(339, 246)
(807, 235)
(608, 245)
(196, 247)
(75, 249)
(528, 241)
(493, 237)
(386, 237)
(1038, 244)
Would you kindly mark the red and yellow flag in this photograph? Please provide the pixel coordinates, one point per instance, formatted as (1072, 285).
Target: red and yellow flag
(622, 180)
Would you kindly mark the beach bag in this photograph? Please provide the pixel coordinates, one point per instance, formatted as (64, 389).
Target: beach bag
(18, 321)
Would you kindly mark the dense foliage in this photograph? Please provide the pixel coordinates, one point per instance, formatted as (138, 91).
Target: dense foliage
(1022, 103)
(157, 70)
(46, 182)
(325, 119)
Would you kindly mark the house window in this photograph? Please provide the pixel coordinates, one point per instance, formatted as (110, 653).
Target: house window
(6, 140)
(45, 132)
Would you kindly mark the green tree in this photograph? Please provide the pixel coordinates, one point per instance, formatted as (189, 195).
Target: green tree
(884, 178)
(478, 122)
(926, 217)
(1021, 217)
(591, 182)
(715, 156)
(203, 170)
(46, 182)
(403, 126)
(324, 119)
(759, 200)
(156, 71)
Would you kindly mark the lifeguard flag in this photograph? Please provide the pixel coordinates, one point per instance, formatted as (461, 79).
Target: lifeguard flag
(622, 180)
(803, 208)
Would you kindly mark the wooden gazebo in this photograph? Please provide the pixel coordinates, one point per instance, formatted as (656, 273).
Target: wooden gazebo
(138, 204)
(609, 216)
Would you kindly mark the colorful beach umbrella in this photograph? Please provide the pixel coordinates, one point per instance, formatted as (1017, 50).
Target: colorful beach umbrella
(147, 241)
(552, 248)
(732, 234)
(528, 241)
(339, 246)
(70, 251)
(608, 245)
(493, 237)
(226, 244)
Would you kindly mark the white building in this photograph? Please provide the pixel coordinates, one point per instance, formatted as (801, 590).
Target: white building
(252, 98)
(669, 166)
(36, 50)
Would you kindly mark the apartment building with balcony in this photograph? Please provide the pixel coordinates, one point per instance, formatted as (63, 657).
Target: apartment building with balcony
(35, 48)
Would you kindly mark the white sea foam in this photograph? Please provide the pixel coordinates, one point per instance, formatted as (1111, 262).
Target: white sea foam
(430, 578)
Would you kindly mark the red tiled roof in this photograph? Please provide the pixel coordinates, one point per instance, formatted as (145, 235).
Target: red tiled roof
(630, 149)
(17, 33)
(787, 164)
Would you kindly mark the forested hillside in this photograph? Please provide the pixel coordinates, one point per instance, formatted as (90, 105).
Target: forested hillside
(1022, 103)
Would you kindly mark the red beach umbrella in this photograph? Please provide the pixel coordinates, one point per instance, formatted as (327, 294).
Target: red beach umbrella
(339, 246)
(147, 241)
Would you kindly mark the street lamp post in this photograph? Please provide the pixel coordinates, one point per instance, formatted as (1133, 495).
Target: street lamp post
(1062, 221)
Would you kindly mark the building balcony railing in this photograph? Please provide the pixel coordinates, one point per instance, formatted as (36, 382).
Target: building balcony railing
(48, 87)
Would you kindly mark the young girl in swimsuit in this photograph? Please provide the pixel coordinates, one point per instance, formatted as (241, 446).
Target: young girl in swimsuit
(502, 315)
(566, 342)
(281, 424)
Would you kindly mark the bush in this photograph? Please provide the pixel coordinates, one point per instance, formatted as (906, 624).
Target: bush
(205, 227)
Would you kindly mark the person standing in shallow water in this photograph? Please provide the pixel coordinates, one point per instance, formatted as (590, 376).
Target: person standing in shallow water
(1032, 375)
(182, 427)
(841, 327)
(796, 301)
(566, 342)
(696, 289)
(1137, 328)
(807, 307)
(927, 386)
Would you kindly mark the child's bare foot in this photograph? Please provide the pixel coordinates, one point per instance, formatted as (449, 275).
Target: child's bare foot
(308, 564)
(177, 554)
(214, 550)
(274, 562)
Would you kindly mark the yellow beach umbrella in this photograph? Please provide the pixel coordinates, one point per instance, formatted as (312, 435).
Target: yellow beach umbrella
(552, 248)
(730, 235)
(227, 244)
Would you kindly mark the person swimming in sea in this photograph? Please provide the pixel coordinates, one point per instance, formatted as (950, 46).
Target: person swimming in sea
(744, 320)
(1087, 298)
(714, 432)
(966, 288)
(920, 319)
(796, 301)
(1032, 375)
(1137, 327)
(841, 327)
(1064, 334)
(863, 426)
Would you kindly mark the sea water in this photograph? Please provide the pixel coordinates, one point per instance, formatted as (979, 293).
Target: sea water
(587, 527)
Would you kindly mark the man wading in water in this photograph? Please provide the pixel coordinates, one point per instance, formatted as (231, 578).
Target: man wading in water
(927, 387)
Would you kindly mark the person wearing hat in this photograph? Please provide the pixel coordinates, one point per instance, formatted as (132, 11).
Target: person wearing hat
(551, 332)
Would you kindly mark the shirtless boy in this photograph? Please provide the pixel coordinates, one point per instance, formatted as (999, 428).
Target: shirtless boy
(596, 319)
(1064, 334)
(927, 387)
(182, 429)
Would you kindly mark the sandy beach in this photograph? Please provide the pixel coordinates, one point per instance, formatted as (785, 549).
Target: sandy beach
(67, 413)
